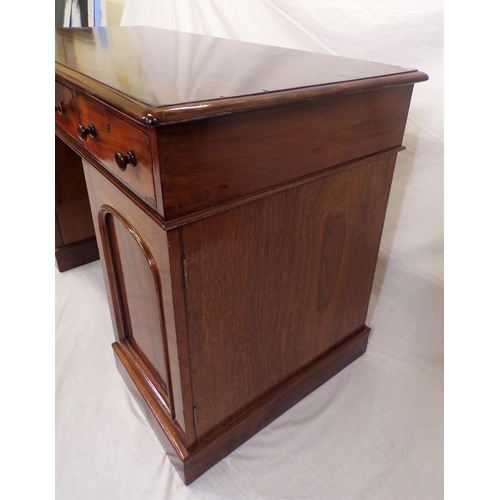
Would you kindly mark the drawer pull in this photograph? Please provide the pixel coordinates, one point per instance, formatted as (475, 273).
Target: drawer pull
(84, 132)
(60, 108)
(123, 160)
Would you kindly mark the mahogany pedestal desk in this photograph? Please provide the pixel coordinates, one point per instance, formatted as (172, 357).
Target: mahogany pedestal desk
(238, 195)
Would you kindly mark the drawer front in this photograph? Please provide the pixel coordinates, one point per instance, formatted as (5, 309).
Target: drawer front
(66, 111)
(111, 135)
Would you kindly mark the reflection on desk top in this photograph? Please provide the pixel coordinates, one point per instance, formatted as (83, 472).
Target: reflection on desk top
(158, 76)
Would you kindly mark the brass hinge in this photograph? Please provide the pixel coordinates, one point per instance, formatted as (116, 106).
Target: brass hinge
(185, 268)
(195, 416)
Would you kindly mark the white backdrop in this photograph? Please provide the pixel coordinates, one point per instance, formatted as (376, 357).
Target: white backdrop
(375, 431)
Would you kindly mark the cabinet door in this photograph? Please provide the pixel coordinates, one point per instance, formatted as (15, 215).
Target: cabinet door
(137, 284)
(134, 250)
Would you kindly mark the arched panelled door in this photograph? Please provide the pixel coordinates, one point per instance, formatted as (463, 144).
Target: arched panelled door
(138, 288)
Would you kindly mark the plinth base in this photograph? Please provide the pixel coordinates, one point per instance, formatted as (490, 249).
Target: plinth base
(193, 462)
(77, 254)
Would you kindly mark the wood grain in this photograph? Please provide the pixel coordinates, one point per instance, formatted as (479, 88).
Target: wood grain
(139, 283)
(76, 254)
(239, 253)
(273, 284)
(67, 117)
(174, 76)
(136, 265)
(193, 462)
(75, 236)
(116, 135)
(214, 161)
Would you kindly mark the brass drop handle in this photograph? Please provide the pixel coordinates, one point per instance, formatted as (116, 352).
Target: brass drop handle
(123, 160)
(60, 108)
(84, 132)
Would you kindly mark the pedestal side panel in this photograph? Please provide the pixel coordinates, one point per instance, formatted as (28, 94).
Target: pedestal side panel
(72, 205)
(274, 284)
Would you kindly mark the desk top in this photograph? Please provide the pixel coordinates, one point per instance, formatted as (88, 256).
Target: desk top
(158, 76)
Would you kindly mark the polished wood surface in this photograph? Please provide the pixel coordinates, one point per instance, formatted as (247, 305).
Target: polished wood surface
(136, 268)
(66, 110)
(74, 231)
(113, 135)
(238, 195)
(307, 258)
(192, 462)
(224, 158)
(159, 76)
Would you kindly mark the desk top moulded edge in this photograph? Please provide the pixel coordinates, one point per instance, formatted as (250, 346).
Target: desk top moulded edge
(192, 109)
(181, 112)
